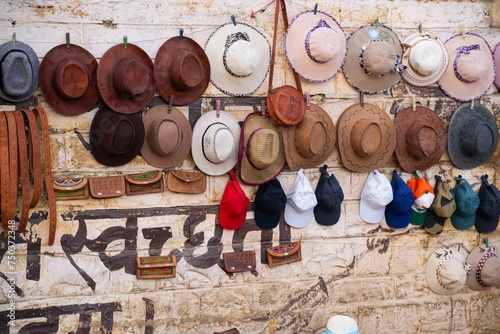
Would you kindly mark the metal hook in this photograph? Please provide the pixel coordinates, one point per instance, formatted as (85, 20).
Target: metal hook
(181, 33)
(233, 19)
(68, 46)
(462, 29)
(217, 108)
(14, 38)
(170, 103)
(376, 23)
(315, 9)
(413, 102)
(420, 28)
(308, 99)
(485, 240)
(125, 43)
(472, 104)
(361, 98)
(263, 107)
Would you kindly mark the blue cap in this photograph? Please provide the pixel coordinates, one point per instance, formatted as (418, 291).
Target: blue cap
(329, 195)
(269, 202)
(488, 212)
(467, 203)
(398, 211)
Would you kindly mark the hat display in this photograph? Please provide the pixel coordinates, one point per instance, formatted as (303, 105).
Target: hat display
(471, 70)
(115, 139)
(270, 200)
(181, 70)
(125, 78)
(446, 270)
(496, 60)
(372, 64)
(398, 211)
(261, 154)
(425, 59)
(488, 211)
(329, 196)
(366, 137)
(19, 68)
(485, 268)
(240, 57)
(376, 194)
(420, 138)
(168, 137)
(472, 136)
(424, 197)
(214, 145)
(311, 142)
(442, 207)
(467, 203)
(315, 46)
(300, 202)
(233, 205)
(341, 324)
(68, 79)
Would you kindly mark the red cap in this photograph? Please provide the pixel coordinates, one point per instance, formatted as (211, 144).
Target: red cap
(233, 205)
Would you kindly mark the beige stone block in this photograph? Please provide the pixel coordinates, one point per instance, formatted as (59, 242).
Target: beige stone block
(368, 290)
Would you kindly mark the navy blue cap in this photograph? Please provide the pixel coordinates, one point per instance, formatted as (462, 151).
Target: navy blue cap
(329, 195)
(398, 211)
(488, 212)
(270, 200)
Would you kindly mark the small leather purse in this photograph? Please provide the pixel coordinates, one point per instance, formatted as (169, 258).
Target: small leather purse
(144, 183)
(235, 262)
(186, 182)
(156, 266)
(69, 189)
(283, 254)
(107, 187)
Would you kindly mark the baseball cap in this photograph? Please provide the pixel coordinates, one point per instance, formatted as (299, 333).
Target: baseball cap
(376, 194)
(398, 211)
(233, 205)
(329, 195)
(441, 209)
(488, 212)
(423, 195)
(270, 200)
(300, 202)
(467, 204)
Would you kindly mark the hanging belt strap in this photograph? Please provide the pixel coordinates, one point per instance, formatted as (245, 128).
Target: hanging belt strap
(12, 158)
(34, 157)
(4, 173)
(23, 167)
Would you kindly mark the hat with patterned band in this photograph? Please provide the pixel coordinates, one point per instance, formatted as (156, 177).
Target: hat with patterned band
(485, 268)
(471, 69)
(446, 270)
(315, 46)
(240, 57)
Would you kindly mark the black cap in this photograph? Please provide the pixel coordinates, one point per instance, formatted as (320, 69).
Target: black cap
(270, 200)
(329, 195)
(488, 212)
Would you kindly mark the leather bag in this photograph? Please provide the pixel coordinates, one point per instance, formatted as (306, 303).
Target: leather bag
(235, 262)
(144, 183)
(107, 187)
(156, 266)
(186, 182)
(70, 189)
(283, 254)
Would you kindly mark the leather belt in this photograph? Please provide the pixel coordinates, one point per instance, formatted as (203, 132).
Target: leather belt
(13, 172)
(34, 157)
(23, 167)
(4, 173)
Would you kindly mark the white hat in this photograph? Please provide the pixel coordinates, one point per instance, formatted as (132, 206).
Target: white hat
(341, 324)
(214, 144)
(300, 202)
(446, 271)
(376, 194)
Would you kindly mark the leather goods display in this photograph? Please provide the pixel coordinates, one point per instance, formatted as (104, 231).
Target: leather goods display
(285, 104)
(283, 254)
(107, 187)
(156, 266)
(70, 189)
(186, 182)
(144, 183)
(235, 262)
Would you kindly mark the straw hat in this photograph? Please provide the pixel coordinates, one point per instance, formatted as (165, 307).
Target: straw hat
(446, 271)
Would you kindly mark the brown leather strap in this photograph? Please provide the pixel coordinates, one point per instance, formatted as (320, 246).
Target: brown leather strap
(13, 171)
(23, 166)
(4, 173)
(273, 50)
(34, 157)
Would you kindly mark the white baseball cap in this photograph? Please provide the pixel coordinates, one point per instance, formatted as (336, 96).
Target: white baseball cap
(376, 194)
(300, 202)
(341, 324)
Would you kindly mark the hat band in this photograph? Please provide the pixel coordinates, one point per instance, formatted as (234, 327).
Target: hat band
(461, 50)
(481, 264)
(231, 39)
(321, 24)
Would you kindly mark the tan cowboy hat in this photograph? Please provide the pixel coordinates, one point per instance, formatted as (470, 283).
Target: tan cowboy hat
(366, 137)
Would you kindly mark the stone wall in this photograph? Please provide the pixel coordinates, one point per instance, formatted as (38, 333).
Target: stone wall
(85, 282)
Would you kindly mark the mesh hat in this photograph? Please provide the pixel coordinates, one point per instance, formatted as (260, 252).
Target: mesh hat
(300, 202)
(376, 194)
(424, 197)
(485, 268)
(270, 200)
(467, 203)
(233, 205)
(446, 271)
(442, 207)
(398, 211)
(329, 195)
(488, 211)
(341, 324)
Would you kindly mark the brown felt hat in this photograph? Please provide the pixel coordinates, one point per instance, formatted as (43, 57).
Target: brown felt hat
(311, 142)
(421, 138)
(68, 79)
(125, 78)
(181, 70)
(168, 137)
(366, 137)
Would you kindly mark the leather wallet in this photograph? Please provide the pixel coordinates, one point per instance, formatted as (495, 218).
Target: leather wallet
(156, 266)
(283, 254)
(144, 183)
(107, 187)
(186, 182)
(239, 261)
(68, 189)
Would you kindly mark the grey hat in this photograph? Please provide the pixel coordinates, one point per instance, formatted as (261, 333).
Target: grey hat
(19, 67)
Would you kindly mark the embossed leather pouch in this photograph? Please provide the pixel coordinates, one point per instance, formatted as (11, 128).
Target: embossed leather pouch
(107, 187)
(283, 254)
(144, 183)
(68, 189)
(235, 262)
(186, 182)
(156, 266)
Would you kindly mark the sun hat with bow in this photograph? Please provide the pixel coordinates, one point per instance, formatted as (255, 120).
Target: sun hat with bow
(471, 69)
(373, 61)
(19, 68)
(485, 268)
(315, 46)
(68, 79)
(168, 136)
(446, 270)
(181, 70)
(366, 137)
(125, 78)
(240, 57)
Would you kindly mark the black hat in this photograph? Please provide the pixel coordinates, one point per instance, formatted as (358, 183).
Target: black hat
(329, 195)
(270, 200)
(488, 212)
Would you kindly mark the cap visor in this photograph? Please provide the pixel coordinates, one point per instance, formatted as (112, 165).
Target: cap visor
(296, 219)
(485, 225)
(396, 220)
(433, 223)
(370, 215)
(266, 220)
(463, 222)
(417, 218)
(326, 217)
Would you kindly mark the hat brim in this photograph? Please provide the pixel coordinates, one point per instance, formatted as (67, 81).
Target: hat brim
(451, 85)
(296, 52)
(298, 219)
(485, 225)
(463, 222)
(220, 77)
(48, 67)
(353, 71)
(430, 271)
(265, 220)
(162, 71)
(395, 220)
(417, 218)
(199, 129)
(327, 217)
(369, 214)
(433, 223)
(182, 151)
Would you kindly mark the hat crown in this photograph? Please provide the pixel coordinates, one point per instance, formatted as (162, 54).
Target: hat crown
(164, 136)
(451, 274)
(366, 137)
(377, 191)
(422, 192)
(489, 199)
(218, 143)
(270, 197)
(422, 140)
(241, 56)
(466, 199)
(444, 204)
(426, 57)
(322, 43)
(476, 137)
(117, 134)
(71, 79)
(329, 194)
(302, 197)
(186, 69)
(17, 73)
(311, 137)
(130, 78)
(263, 148)
(341, 324)
(470, 63)
(378, 58)
(402, 196)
